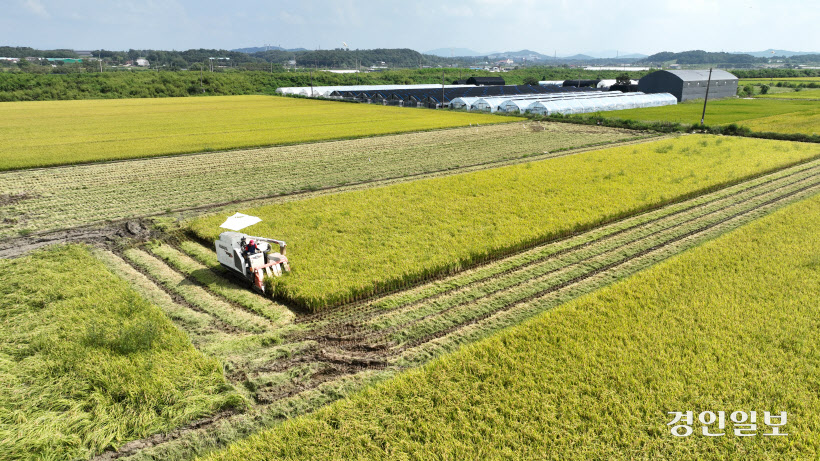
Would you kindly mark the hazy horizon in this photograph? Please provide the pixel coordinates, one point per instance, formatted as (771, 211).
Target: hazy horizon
(561, 27)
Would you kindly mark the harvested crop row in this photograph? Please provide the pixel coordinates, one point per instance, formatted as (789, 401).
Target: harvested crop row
(56, 198)
(196, 295)
(97, 130)
(448, 315)
(240, 295)
(353, 245)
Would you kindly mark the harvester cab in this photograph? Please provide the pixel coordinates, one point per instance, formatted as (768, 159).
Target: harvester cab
(232, 252)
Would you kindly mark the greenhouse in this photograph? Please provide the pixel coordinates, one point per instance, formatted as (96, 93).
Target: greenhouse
(463, 103)
(586, 105)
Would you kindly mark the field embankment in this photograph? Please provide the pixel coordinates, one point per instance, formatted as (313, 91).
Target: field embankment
(36, 134)
(595, 377)
(87, 364)
(348, 246)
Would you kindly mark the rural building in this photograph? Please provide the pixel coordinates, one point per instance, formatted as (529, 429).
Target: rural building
(142, 62)
(486, 81)
(689, 84)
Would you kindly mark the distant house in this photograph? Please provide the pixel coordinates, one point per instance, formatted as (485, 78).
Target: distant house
(142, 62)
(484, 81)
(83, 53)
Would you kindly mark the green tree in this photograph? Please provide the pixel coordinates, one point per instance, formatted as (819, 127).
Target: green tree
(623, 79)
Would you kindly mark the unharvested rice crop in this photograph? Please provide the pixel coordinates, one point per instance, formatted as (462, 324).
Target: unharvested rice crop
(34, 134)
(730, 326)
(58, 198)
(347, 246)
(87, 364)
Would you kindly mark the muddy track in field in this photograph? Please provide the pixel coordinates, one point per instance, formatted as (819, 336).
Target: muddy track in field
(407, 328)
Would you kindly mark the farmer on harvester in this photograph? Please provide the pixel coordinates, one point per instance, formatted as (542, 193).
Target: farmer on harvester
(251, 248)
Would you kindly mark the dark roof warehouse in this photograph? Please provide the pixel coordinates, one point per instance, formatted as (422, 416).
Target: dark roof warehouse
(690, 84)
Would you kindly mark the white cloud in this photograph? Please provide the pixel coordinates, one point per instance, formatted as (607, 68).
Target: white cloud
(36, 7)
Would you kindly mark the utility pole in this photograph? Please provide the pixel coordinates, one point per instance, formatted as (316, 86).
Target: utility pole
(708, 82)
(442, 88)
(101, 61)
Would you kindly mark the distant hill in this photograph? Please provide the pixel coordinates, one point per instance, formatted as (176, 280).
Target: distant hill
(578, 57)
(257, 49)
(770, 53)
(702, 57)
(519, 54)
(633, 56)
(613, 54)
(448, 52)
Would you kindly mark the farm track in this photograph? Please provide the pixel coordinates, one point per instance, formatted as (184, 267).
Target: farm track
(410, 327)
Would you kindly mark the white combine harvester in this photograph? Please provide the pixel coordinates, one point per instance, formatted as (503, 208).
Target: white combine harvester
(231, 251)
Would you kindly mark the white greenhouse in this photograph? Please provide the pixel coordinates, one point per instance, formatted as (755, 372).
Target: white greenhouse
(586, 105)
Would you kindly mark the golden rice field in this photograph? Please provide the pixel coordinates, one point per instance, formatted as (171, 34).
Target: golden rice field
(35, 134)
(347, 246)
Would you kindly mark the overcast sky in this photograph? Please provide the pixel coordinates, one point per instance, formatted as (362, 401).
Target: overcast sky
(639, 26)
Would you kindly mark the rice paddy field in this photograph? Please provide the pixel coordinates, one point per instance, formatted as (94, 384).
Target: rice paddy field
(48, 199)
(357, 244)
(760, 113)
(731, 326)
(37, 134)
(463, 286)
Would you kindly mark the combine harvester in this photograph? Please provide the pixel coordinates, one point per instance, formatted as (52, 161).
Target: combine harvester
(249, 257)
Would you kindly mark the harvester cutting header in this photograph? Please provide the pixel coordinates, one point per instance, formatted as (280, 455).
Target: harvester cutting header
(250, 257)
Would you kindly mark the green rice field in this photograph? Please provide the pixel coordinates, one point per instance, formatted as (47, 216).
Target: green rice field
(760, 113)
